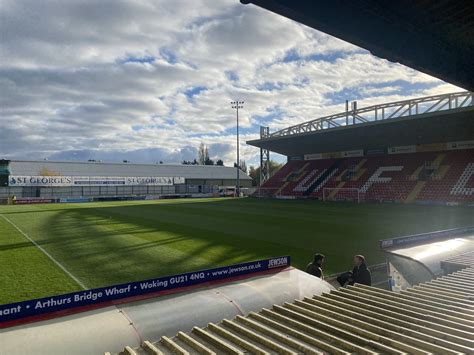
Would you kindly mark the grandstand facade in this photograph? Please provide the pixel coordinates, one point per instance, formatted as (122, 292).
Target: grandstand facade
(419, 150)
(47, 180)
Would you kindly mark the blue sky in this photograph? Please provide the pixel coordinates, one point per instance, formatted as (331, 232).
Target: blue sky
(149, 81)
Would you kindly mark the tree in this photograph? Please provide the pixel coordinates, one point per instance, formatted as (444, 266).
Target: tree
(243, 166)
(254, 173)
(203, 157)
(203, 154)
(46, 172)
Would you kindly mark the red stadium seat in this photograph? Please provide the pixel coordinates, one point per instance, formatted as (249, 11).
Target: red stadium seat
(436, 177)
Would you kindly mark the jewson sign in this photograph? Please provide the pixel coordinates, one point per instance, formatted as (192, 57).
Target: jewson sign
(52, 181)
(67, 302)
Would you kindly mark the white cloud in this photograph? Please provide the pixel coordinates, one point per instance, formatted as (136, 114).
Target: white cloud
(110, 77)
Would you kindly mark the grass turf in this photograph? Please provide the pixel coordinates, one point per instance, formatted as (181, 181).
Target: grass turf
(108, 243)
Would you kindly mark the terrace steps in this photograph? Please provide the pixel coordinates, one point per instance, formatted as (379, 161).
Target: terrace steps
(336, 190)
(282, 187)
(416, 190)
(435, 317)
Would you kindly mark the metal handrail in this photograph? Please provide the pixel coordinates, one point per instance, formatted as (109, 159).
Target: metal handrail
(405, 108)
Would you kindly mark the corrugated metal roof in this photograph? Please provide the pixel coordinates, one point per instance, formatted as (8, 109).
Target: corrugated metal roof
(434, 317)
(33, 168)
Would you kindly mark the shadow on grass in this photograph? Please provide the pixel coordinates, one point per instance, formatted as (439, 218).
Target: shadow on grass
(123, 243)
(105, 244)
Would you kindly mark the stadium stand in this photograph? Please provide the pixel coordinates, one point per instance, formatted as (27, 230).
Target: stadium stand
(111, 180)
(433, 317)
(287, 174)
(424, 177)
(309, 177)
(415, 150)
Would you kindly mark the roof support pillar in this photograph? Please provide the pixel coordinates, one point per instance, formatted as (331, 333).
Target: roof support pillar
(264, 157)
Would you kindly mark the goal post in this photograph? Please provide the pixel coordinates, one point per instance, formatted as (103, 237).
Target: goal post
(342, 194)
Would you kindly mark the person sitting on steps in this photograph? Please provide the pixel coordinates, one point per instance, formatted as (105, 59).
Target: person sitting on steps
(315, 267)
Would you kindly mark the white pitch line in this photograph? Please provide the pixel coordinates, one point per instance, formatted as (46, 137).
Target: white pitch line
(61, 266)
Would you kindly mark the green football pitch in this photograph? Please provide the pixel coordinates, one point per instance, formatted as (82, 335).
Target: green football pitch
(100, 244)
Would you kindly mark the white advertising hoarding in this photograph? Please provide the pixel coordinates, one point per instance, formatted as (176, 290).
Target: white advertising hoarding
(316, 156)
(353, 153)
(461, 145)
(402, 149)
(15, 180)
(178, 180)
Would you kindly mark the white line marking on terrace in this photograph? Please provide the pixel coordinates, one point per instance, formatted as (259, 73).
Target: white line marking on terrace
(46, 253)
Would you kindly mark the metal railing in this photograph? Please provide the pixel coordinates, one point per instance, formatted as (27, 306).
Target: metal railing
(387, 111)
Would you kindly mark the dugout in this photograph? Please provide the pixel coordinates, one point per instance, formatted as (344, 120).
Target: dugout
(415, 259)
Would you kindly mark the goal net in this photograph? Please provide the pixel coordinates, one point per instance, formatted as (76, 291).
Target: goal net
(342, 194)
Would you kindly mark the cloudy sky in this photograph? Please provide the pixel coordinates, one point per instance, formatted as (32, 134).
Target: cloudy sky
(150, 80)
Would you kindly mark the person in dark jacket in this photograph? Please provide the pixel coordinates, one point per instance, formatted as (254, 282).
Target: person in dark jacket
(315, 267)
(360, 272)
